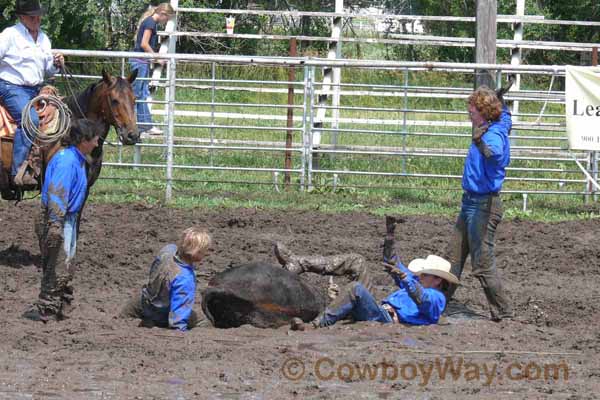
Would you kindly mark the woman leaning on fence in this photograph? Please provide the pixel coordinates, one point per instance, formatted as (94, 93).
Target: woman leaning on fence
(146, 40)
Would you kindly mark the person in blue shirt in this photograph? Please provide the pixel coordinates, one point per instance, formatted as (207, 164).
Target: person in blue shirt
(26, 59)
(481, 209)
(167, 299)
(63, 194)
(146, 41)
(419, 299)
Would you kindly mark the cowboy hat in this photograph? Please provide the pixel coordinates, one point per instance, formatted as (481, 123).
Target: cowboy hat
(433, 265)
(29, 8)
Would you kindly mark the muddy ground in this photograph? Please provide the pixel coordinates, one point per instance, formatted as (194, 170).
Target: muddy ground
(552, 272)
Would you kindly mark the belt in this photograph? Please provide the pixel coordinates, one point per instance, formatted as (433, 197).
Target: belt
(480, 195)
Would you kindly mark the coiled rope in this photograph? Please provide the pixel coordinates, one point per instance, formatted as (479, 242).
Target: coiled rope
(32, 132)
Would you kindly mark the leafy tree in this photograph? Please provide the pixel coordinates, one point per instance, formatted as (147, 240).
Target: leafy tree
(111, 24)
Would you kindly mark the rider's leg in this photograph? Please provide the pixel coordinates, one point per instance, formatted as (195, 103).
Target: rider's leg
(15, 98)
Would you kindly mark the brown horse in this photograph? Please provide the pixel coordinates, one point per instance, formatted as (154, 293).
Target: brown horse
(108, 102)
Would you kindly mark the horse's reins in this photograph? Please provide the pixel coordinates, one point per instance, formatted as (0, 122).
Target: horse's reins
(68, 76)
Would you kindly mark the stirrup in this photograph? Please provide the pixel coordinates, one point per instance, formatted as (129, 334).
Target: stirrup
(8, 194)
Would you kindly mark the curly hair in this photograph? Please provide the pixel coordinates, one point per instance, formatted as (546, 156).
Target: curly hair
(487, 102)
(193, 241)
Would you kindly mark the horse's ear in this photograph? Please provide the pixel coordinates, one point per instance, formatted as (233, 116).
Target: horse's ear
(132, 76)
(106, 77)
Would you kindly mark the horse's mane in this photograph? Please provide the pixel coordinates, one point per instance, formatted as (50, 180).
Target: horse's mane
(83, 98)
(81, 101)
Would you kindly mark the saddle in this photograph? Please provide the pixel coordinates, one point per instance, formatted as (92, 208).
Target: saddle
(48, 116)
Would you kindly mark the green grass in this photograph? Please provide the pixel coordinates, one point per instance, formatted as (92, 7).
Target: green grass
(376, 194)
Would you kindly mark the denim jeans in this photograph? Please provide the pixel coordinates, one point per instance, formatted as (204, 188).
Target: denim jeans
(15, 98)
(57, 247)
(134, 308)
(362, 307)
(70, 236)
(142, 92)
(474, 235)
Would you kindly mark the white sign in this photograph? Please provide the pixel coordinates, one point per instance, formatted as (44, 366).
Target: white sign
(582, 107)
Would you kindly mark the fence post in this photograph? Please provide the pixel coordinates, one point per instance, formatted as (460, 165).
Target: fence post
(311, 127)
(305, 126)
(213, 75)
(336, 33)
(594, 154)
(170, 127)
(289, 139)
(485, 39)
(404, 126)
(515, 59)
(588, 185)
(594, 174)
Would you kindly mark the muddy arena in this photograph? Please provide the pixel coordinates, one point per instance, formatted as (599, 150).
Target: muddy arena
(551, 272)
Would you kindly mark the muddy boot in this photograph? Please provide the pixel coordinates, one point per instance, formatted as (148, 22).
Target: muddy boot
(336, 311)
(147, 323)
(39, 314)
(25, 177)
(298, 325)
(67, 306)
(35, 314)
(287, 259)
(390, 224)
(389, 250)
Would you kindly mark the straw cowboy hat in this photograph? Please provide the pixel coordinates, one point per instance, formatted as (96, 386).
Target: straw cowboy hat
(30, 8)
(433, 265)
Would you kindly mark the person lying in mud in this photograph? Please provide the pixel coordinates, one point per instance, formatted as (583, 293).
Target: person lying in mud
(418, 301)
(168, 297)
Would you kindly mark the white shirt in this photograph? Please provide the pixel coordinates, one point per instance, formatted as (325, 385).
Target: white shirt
(22, 61)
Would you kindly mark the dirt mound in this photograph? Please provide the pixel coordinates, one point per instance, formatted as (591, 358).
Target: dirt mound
(551, 272)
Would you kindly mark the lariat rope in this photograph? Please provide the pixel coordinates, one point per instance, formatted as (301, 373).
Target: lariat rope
(31, 130)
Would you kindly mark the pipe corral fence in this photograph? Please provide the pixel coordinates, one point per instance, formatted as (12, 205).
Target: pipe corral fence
(399, 125)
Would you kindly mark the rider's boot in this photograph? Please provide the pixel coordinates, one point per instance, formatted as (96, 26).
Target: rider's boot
(25, 177)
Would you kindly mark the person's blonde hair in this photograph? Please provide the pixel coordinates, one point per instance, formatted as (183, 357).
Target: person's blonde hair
(161, 8)
(486, 102)
(193, 241)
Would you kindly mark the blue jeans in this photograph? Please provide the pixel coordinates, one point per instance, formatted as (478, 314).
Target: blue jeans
(15, 98)
(474, 235)
(362, 307)
(142, 92)
(70, 236)
(57, 247)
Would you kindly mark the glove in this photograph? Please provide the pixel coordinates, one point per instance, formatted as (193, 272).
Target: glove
(393, 271)
(500, 92)
(478, 132)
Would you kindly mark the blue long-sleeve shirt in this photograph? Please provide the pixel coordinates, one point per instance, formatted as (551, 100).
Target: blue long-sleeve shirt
(168, 297)
(484, 175)
(427, 311)
(65, 184)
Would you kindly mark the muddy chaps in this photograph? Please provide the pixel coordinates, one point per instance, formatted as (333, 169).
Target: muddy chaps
(259, 294)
